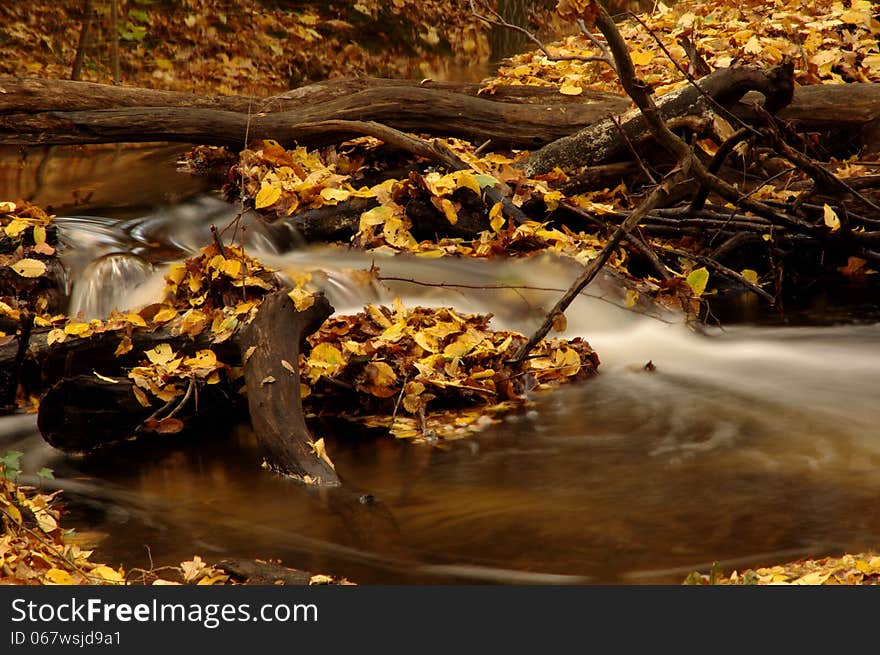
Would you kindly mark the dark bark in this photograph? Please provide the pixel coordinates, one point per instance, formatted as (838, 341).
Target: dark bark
(272, 338)
(94, 114)
(606, 140)
(81, 413)
(255, 572)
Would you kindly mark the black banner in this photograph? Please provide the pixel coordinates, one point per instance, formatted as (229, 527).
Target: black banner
(407, 618)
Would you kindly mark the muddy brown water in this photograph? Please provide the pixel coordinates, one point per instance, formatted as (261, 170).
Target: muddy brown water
(748, 445)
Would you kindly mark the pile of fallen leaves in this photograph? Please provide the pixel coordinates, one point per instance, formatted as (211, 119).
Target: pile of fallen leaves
(30, 274)
(429, 373)
(849, 569)
(34, 548)
(828, 41)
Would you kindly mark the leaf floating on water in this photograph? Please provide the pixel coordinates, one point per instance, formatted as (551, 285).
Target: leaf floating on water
(247, 354)
(29, 267)
(267, 380)
(288, 366)
(105, 378)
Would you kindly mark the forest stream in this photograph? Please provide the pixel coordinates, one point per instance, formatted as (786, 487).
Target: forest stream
(752, 443)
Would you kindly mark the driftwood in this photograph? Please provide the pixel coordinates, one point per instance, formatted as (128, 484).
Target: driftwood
(36, 112)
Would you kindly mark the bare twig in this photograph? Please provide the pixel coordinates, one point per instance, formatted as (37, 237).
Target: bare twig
(723, 270)
(592, 269)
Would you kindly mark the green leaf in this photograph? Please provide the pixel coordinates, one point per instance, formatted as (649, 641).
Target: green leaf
(12, 459)
(46, 474)
(698, 280)
(485, 180)
(139, 15)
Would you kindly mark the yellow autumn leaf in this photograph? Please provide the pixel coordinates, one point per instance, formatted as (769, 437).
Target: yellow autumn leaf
(641, 57)
(13, 511)
(697, 280)
(124, 346)
(78, 329)
(496, 217)
(213, 579)
(335, 195)
(814, 578)
(203, 359)
(39, 234)
(320, 450)
(15, 227)
(165, 314)
(449, 210)
(56, 335)
(466, 179)
(750, 275)
(830, 217)
(161, 354)
(58, 577)
(29, 267)
(135, 319)
(267, 195)
(301, 298)
(464, 344)
(231, 267)
(569, 88)
(632, 297)
(108, 574)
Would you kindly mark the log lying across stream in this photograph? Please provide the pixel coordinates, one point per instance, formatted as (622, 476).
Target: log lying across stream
(84, 410)
(36, 111)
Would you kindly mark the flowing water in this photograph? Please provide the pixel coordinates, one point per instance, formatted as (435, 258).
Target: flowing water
(747, 445)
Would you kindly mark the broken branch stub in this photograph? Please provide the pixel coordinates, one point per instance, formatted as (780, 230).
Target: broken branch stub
(274, 337)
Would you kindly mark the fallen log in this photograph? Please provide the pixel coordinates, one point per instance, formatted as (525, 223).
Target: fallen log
(98, 115)
(59, 111)
(81, 412)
